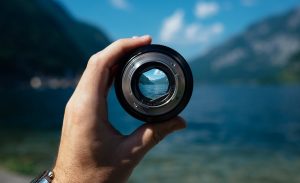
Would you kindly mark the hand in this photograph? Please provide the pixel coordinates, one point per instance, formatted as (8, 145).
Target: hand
(91, 150)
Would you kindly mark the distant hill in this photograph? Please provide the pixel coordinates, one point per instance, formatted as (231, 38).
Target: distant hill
(144, 80)
(267, 52)
(163, 80)
(38, 37)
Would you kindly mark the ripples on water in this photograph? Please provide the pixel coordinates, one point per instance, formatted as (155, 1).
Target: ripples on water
(234, 134)
(153, 91)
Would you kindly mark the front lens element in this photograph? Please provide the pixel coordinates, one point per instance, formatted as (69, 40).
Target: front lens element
(153, 84)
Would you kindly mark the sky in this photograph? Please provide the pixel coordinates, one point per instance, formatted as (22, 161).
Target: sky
(155, 74)
(192, 27)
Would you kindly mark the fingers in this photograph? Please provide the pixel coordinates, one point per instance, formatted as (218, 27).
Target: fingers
(99, 72)
(147, 136)
(111, 54)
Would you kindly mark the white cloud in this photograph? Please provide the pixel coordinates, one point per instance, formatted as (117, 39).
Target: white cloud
(158, 72)
(191, 31)
(248, 3)
(171, 26)
(197, 33)
(217, 28)
(206, 9)
(175, 30)
(120, 4)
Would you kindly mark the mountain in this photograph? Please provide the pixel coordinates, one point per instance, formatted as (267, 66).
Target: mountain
(39, 37)
(267, 52)
(145, 80)
(163, 80)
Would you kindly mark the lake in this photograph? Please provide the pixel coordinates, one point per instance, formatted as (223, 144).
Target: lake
(234, 134)
(154, 91)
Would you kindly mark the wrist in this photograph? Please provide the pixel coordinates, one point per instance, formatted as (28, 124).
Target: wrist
(73, 175)
(46, 177)
(57, 174)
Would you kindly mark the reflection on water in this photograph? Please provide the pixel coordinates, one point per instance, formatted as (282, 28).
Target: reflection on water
(153, 91)
(153, 84)
(235, 134)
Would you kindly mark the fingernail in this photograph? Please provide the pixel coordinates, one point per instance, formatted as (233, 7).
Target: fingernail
(145, 37)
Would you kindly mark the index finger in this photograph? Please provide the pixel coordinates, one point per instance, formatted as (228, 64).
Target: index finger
(97, 75)
(112, 53)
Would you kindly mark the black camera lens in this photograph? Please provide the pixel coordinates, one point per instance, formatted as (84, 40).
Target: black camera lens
(154, 83)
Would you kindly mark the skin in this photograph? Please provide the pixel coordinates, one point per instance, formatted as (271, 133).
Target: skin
(91, 150)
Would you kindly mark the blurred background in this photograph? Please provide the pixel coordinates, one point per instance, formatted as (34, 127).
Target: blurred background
(244, 115)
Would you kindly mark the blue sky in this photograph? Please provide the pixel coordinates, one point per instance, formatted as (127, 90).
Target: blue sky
(191, 26)
(154, 74)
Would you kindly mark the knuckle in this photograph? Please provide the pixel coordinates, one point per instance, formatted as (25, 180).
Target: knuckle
(120, 42)
(94, 59)
(98, 63)
(121, 45)
(157, 137)
(74, 107)
(70, 108)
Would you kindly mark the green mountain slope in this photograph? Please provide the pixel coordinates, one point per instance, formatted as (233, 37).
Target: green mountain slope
(291, 72)
(38, 37)
(262, 54)
(163, 80)
(144, 80)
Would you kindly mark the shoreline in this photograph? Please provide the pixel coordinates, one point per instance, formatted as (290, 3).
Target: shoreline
(9, 177)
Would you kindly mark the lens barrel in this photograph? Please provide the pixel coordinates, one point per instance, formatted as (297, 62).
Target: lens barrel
(154, 83)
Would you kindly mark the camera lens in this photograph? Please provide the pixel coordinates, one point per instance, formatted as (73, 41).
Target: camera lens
(154, 83)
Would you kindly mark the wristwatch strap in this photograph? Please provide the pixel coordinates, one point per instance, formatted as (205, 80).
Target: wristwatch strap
(46, 177)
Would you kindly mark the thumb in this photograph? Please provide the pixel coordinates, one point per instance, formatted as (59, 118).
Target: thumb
(148, 135)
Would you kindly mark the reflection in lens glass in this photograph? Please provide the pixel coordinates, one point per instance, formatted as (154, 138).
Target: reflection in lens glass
(153, 84)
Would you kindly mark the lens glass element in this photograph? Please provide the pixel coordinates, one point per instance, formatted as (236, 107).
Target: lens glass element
(153, 84)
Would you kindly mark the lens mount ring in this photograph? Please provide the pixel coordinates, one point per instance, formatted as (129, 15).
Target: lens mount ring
(160, 99)
(176, 69)
(152, 58)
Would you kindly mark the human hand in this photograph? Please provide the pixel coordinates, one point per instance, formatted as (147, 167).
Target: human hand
(91, 150)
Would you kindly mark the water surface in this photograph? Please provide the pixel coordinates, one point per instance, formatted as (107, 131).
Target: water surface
(234, 134)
